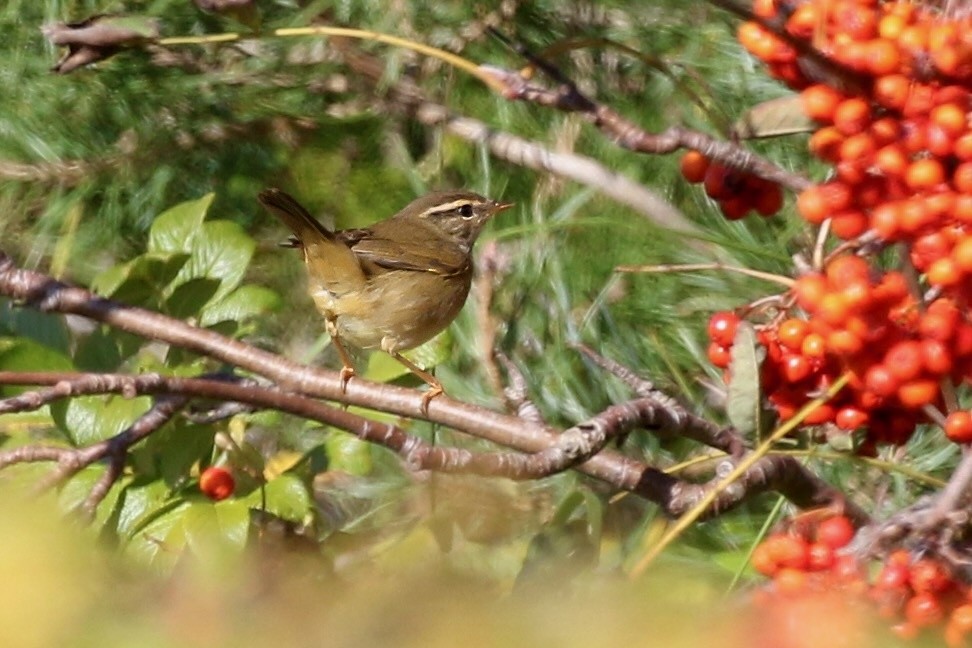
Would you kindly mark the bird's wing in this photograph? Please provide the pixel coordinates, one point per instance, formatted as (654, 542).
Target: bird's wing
(416, 256)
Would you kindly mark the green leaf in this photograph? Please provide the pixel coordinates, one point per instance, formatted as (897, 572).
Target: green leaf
(243, 303)
(47, 329)
(90, 419)
(215, 531)
(141, 504)
(347, 453)
(286, 497)
(22, 354)
(173, 450)
(139, 280)
(98, 351)
(190, 297)
(160, 543)
(743, 402)
(77, 489)
(384, 368)
(175, 229)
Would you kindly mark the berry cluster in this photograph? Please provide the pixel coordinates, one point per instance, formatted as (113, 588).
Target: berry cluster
(736, 192)
(916, 594)
(896, 130)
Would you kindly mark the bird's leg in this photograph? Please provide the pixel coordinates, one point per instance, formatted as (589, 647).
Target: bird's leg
(347, 370)
(435, 387)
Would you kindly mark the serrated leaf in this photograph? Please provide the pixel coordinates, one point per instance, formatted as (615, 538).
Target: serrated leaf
(243, 303)
(175, 229)
(743, 400)
(89, 419)
(222, 251)
(781, 116)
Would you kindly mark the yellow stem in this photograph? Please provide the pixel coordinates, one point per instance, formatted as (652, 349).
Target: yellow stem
(695, 267)
(421, 48)
(764, 448)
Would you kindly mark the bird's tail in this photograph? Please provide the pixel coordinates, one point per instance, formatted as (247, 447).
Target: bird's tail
(305, 227)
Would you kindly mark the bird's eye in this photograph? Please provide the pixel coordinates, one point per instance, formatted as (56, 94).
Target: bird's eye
(466, 211)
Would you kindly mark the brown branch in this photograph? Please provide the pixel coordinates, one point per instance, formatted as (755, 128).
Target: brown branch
(72, 460)
(569, 448)
(683, 422)
(621, 472)
(629, 135)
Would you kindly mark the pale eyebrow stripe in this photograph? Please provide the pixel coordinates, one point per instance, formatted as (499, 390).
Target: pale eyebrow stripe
(450, 206)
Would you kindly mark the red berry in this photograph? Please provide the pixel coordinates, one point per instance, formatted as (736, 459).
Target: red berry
(958, 427)
(924, 609)
(930, 576)
(216, 483)
(722, 328)
(835, 532)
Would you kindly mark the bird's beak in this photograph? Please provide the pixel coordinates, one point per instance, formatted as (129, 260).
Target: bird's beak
(498, 207)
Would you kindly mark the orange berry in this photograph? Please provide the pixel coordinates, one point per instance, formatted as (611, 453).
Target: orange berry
(809, 291)
(789, 581)
(883, 57)
(216, 483)
(944, 272)
(849, 224)
(788, 551)
(962, 178)
(859, 147)
(836, 532)
(951, 117)
(963, 146)
(890, 26)
(962, 254)
(925, 174)
(852, 115)
(851, 418)
(847, 270)
(904, 360)
(881, 382)
(812, 205)
(820, 101)
(891, 90)
(825, 143)
(792, 332)
(923, 610)
(892, 160)
(693, 166)
(814, 346)
(958, 427)
(918, 393)
(936, 357)
(961, 617)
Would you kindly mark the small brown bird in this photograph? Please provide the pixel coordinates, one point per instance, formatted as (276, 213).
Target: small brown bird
(396, 284)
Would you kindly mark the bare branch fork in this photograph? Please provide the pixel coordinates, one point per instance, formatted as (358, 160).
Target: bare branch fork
(580, 447)
(627, 134)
